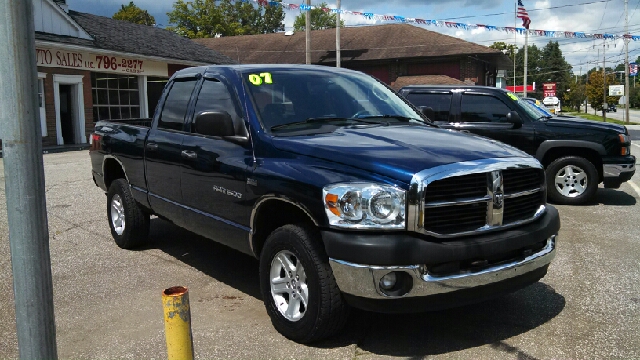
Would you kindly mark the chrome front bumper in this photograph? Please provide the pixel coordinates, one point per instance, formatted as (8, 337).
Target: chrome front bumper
(363, 280)
(615, 170)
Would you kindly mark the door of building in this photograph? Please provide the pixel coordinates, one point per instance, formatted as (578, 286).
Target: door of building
(66, 114)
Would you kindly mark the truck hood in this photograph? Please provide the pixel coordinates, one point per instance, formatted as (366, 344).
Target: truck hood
(397, 151)
(578, 122)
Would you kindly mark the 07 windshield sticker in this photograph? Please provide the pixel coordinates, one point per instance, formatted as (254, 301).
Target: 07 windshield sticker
(259, 79)
(512, 96)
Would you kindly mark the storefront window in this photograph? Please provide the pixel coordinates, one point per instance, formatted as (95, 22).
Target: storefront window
(115, 97)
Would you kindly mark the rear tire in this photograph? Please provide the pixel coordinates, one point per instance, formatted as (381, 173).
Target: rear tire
(128, 222)
(571, 180)
(304, 302)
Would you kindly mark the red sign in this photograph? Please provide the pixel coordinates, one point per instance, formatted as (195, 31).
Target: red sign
(549, 89)
(519, 89)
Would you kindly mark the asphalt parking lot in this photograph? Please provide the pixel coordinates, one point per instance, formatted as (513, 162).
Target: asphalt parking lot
(107, 300)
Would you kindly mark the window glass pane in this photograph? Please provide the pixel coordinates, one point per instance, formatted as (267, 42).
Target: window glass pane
(103, 97)
(440, 103)
(175, 106)
(135, 112)
(133, 83)
(124, 97)
(115, 113)
(102, 83)
(134, 98)
(103, 113)
(483, 108)
(125, 113)
(113, 82)
(96, 116)
(114, 99)
(123, 82)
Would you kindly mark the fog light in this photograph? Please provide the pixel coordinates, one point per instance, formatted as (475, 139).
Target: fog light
(388, 281)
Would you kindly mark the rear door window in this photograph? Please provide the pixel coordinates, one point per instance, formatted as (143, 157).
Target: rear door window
(439, 102)
(175, 105)
(482, 108)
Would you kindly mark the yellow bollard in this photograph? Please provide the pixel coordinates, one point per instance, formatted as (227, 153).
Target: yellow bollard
(177, 323)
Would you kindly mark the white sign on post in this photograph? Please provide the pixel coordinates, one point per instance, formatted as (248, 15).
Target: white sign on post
(616, 90)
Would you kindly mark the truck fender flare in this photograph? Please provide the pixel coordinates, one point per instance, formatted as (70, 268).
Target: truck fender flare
(268, 198)
(550, 144)
(104, 161)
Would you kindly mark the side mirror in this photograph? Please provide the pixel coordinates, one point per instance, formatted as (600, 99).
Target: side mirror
(214, 123)
(428, 112)
(514, 118)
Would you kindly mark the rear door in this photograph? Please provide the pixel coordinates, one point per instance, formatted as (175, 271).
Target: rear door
(486, 114)
(215, 171)
(163, 149)
(438, 100)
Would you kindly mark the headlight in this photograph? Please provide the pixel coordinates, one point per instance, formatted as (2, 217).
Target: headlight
(365, 206)
(624, 139)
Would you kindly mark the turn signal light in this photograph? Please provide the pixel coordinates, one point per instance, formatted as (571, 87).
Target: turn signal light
(624, 151)
(332, 203)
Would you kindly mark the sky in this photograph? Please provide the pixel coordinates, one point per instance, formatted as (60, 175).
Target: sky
(589, 16)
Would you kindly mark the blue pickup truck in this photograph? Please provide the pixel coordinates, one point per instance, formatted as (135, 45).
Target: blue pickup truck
(344, 191)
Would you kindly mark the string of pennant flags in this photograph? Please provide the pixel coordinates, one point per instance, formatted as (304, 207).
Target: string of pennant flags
(448, 24)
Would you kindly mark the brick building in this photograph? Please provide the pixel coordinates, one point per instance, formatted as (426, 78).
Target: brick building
(387, 52)
(92, 67)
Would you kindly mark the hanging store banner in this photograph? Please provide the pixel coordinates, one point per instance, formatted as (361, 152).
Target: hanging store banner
(99, 63)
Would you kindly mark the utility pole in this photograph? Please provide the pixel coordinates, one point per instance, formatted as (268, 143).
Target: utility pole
(307, 20)
(24, 183)
(604, 78)
(338, 34)
(526, 51)
(626, 60)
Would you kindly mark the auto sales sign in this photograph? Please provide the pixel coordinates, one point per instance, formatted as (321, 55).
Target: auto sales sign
(103, 63)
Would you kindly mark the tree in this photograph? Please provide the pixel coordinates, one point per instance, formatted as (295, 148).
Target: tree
(575, 94)
(595, 89)
(507, 49)
(134, 14)
(320, 19)
(207, 18)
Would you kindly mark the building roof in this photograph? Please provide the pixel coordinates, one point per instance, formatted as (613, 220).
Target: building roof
(425, 80)
(379, 42)
(124, 36)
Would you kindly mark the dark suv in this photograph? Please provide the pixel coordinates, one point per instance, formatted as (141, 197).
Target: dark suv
(576, 153)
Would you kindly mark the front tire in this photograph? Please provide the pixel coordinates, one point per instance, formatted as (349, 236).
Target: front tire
(298, 288)
(571, 180)
(128, 222)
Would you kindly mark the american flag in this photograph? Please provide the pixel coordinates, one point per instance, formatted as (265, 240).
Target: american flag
(522, 14)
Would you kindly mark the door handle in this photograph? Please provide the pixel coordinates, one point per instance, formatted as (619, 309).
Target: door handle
(189, 154)
(152, 146)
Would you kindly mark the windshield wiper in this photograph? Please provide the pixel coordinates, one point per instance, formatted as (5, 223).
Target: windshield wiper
(387, 116)
(322, 120)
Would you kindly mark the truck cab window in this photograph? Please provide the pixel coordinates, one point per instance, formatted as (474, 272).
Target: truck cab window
(214, 95)
(439, 102)
(483, 108)
(175, 106)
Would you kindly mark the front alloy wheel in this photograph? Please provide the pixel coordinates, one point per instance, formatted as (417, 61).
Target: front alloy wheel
(289, 286)
(571, 180)
(297, 285)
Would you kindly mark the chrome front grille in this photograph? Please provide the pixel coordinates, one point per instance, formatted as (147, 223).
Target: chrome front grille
(472, 197)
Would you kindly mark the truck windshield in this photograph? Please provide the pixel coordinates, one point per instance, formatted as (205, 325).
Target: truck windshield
(294, 97)
(531, 110)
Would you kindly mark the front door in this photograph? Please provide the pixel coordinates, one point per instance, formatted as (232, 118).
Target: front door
(215, 172)
(67, 125)
(162, 151)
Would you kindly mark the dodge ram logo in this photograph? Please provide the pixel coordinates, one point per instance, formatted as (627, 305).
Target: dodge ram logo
(498, 200)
